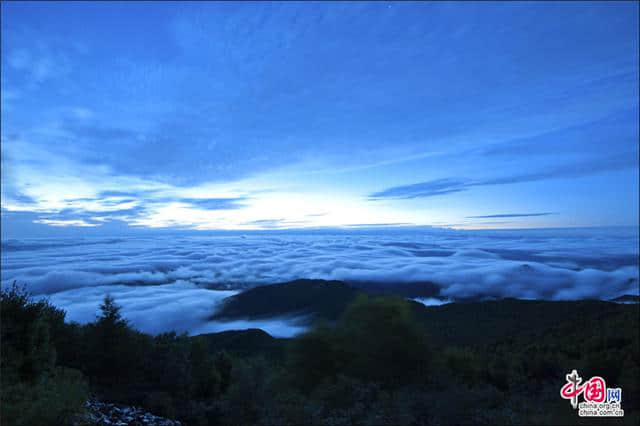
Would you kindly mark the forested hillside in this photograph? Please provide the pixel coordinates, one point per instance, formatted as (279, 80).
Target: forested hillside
(380, 360)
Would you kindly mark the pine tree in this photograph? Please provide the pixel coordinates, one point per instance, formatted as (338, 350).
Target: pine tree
(111, 313)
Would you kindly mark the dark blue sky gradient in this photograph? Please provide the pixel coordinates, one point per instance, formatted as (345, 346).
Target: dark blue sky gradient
(268, 115)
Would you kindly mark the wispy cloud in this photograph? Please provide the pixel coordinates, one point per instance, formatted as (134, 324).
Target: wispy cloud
(216, 203)
(65, 223)
(494, 216)
(276, 223)
(424, 189)
(378, 225)
(316, 214)
(567, 171)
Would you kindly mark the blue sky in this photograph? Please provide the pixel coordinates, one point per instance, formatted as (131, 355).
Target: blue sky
(133, 116)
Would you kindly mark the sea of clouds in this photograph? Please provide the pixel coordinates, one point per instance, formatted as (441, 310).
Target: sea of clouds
(175, 282)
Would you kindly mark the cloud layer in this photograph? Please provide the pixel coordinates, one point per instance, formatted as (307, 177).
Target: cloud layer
(174, 281)
(181, 307)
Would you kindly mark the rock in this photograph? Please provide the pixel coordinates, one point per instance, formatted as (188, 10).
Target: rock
(101, 413)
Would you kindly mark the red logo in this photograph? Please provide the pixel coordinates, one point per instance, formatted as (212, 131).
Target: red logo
(599, 401)
(594, 390)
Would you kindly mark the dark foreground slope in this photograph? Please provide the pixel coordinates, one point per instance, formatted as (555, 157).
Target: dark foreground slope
(504, 360)
(490, 321)
(376, 360)
(242, 343)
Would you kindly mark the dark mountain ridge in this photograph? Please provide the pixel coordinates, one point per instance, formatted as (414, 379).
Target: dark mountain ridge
(467, 322)
(315, 298)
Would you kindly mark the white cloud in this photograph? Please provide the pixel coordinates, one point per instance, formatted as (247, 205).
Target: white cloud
(537, 264)
(431, 301)
(167, 282)
(181, 307)
(64, 223)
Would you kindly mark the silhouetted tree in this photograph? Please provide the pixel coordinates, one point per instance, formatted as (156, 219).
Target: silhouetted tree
(111, 340)
(376, 340)
(111, 313)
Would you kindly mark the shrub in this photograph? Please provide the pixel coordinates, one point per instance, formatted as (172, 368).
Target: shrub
(376, 340)
(34, 391)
